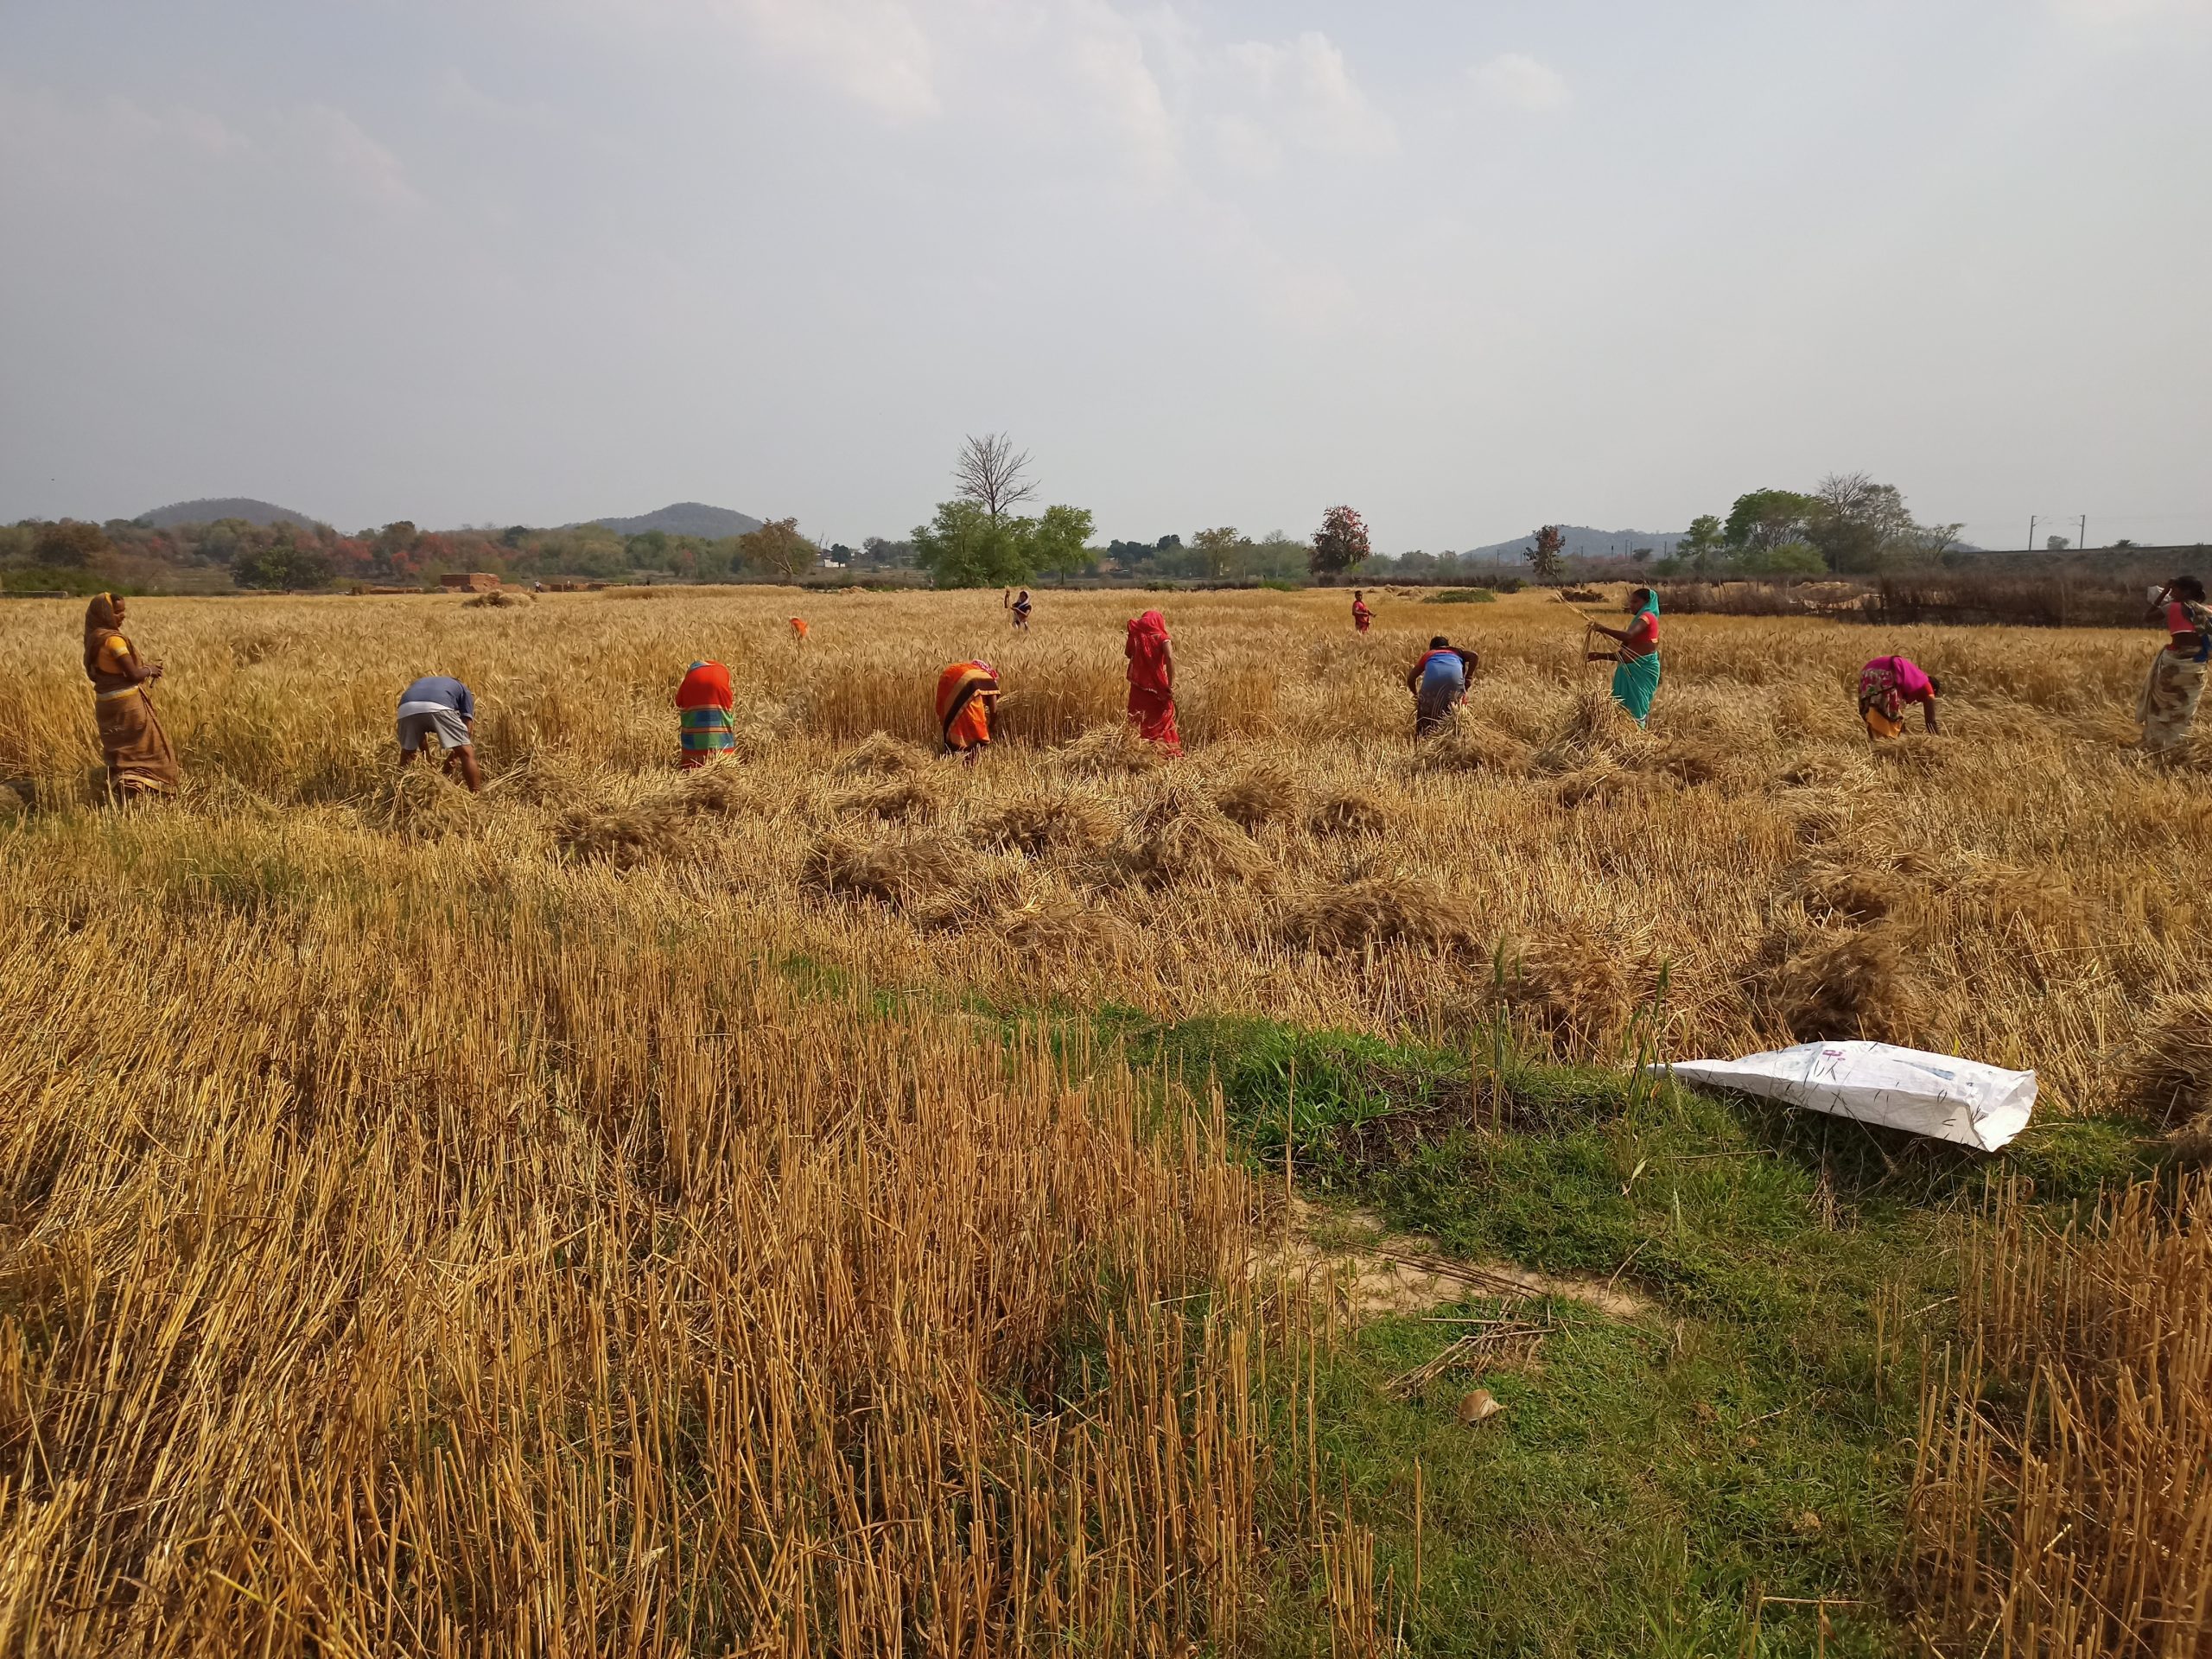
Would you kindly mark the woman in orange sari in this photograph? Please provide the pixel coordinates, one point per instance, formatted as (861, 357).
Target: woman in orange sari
(703, 726)
(139, 758)
(1152, 682)
(966, 695)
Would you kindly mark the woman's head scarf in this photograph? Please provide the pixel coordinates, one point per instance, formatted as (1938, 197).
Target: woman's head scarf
(100, 620)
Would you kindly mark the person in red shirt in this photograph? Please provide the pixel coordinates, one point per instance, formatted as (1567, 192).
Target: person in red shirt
(1361, 616)
(2168, 706)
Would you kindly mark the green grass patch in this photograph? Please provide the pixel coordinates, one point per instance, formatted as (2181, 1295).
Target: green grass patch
(1652, 1478)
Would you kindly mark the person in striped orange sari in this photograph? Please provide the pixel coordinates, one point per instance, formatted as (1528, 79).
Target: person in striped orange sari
(967, 693)
(704, 728)
(139, 758)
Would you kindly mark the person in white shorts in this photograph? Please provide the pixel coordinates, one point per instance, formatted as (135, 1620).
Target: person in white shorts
(438, 707)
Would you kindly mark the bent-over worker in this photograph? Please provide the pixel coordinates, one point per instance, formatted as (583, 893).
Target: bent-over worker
(967, 693)
(1439, 682)
(438, 706)
(1886, 685)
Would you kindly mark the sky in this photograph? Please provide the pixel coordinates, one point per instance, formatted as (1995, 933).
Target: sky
(1468, 267)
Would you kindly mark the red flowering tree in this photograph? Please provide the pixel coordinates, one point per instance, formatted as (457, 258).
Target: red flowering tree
(1340, 544)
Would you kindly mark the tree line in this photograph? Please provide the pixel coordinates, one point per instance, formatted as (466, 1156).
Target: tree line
(1847, 523)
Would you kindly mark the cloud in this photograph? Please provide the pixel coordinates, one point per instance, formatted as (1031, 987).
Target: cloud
(1520, 82)
(2119, 13)
(1306, 96)
(1108, 56)
(874, 50)
(355, 159)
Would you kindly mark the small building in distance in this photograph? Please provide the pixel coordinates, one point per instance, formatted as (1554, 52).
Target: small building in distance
(474, 581)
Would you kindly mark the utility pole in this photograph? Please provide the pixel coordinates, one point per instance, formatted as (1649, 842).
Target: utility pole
(2084, 543)
(2031, 531)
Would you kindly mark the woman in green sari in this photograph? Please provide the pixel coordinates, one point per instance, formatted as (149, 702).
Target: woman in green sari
(1636, 682)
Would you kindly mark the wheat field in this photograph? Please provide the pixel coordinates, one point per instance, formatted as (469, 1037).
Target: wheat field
(601, 1215)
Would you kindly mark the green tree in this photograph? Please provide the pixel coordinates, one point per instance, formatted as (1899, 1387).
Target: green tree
(282, 565)
(1059, 542)
(69, 544)
(1217, 548)
(1547, 553)
(1859, 524)
(1703, 546)
(1340, 544)
(1762, 520)
(777, 550)
(965, 547)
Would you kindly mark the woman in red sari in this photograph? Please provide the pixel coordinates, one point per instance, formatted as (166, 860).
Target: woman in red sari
(1361, 614)
(1152, 682)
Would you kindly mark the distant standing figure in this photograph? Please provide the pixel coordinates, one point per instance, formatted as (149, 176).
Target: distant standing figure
(1636, 682)
(1021, 612)
(1361, 616)
(139, 758)
(967, 693)
(439, 707)
(1439, 682)
(2168, 708)
(1886, 686)
(703, 702)
(1152, 682)
(799, 629)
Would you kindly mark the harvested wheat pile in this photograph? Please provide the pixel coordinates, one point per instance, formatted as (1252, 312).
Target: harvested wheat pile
(625, 836)
(1696, 762)
(498, 599)
(1058, 924)
(1113, 751)
(1349, 812)
(1579, 990)
(1843, 893)
(1266, 793)
(422, 804)
(1057, 820)
(1595, 730)
(2165, 1073)
(906, 797)
(1853, 986)
(1600, 780)
(926, 876)
(881, 755)
(1375, 913)
(1178, 837)
(720, 789)
(1467, 744)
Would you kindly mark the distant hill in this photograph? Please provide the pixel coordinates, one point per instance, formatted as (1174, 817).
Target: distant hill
(1583, 542)
(685, 518)
(209, 508)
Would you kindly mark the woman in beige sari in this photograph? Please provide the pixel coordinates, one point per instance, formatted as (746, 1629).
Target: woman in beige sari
(139, 758)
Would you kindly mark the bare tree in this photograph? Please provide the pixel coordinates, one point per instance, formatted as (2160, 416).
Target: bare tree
(991, 474)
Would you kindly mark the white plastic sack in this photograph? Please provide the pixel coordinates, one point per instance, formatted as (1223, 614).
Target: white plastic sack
(1976, 1105)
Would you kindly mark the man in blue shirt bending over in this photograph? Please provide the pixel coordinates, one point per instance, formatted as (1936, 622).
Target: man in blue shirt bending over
(1439, 682)
(437, 707)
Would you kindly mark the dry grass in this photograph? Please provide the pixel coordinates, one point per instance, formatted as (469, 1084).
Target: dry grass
(2063, 1498)
(427, 1223)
